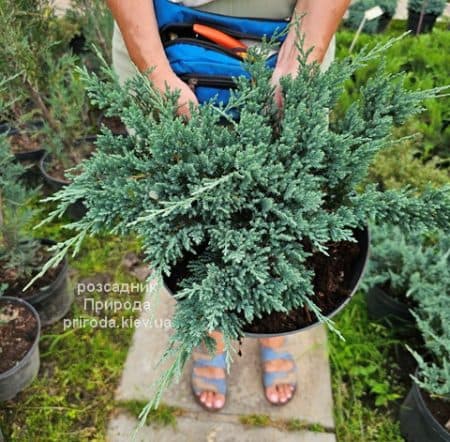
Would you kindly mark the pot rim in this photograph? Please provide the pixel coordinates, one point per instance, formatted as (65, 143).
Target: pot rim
(363, 260)
(417, 392)
(30, 352)
(47, 157)
(40, 295)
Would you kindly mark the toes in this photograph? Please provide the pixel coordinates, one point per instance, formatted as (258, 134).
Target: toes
(209, 399)
(281, 394)
(272, 394)
(219, 400)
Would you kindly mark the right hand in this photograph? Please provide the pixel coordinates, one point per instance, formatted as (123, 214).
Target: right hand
(161, 78)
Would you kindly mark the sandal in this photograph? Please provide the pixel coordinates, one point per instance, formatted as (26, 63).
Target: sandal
(200, 384)
(277, 377)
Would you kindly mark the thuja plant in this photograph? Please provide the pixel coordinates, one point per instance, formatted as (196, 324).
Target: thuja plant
(434, 7)
(45, 86)
(407, 264)
(260, 193)
(20, 256)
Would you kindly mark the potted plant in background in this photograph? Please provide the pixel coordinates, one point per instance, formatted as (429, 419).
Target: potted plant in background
(422, 14)
(425, 413)
(29, 48)
(21, 256)
(256, 222)
(19, 346)
(47, 77)
(404, 268)
(356, 14)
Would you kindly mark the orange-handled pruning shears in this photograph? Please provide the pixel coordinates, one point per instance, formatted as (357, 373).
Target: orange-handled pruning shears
(222, 39)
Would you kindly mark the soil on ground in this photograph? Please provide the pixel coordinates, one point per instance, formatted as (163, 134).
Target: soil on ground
(18, 329)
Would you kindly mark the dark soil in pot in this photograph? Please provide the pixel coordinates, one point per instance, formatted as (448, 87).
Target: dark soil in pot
(25, 142)
(19, 337)
(389, 309)
(427, 25)
(423, 419)
(54, 172)
(50, 295)
(337, 278)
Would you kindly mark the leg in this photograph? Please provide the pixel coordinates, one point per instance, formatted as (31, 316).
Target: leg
(280, 386)
(206, 370)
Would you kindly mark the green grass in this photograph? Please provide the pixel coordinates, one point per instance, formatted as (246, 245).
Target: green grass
(263, 420)
(164, 415)
(368, 384)
(74, 392)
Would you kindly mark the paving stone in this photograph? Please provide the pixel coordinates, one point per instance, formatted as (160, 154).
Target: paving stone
(312, 402)
(122, 426)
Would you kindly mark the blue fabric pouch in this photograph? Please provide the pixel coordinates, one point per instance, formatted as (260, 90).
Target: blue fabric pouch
(206, 66)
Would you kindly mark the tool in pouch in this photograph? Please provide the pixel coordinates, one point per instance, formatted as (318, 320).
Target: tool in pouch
(207, 50)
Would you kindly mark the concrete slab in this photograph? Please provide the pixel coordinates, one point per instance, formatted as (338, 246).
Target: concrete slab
(312, 403)
(191, 430)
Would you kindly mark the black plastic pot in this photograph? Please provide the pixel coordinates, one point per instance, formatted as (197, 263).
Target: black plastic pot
(54, 301)
(28, 156)
(363, 238)
(427, 24)
(387, 309)
(76, 210)
(417, 423)
(383, 22)
(22, 374)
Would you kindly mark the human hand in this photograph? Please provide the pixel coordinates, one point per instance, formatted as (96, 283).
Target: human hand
(161, 79)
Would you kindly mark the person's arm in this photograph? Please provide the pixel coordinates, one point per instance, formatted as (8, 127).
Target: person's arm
(137, 23)
(319, 21)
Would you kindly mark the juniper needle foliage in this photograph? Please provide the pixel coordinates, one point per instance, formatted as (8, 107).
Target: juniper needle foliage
(262, 191)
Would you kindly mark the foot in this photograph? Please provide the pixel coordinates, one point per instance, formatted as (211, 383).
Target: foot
(208, 380)
(279, 371)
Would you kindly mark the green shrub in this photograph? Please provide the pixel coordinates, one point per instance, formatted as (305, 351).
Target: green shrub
(406, 264)
(401, 165)
(433, 321)
(357, 9)
(19, 257)
(44, 75)
(261, 193)
(435, 7)
(424, 59)
(95, 27)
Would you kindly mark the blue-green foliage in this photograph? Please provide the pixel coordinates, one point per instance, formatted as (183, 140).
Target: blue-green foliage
(407, 264)
(263, 192)
(418, 266)
(435, 7)
(433, 321)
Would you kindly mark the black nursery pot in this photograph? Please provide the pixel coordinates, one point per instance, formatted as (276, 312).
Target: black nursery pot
(53, 301)
(417, 423)
(28, 156)
(22, 374)
(76, 210)
(358, 269)
(385, 308)
(383, 22)
(427, 25)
